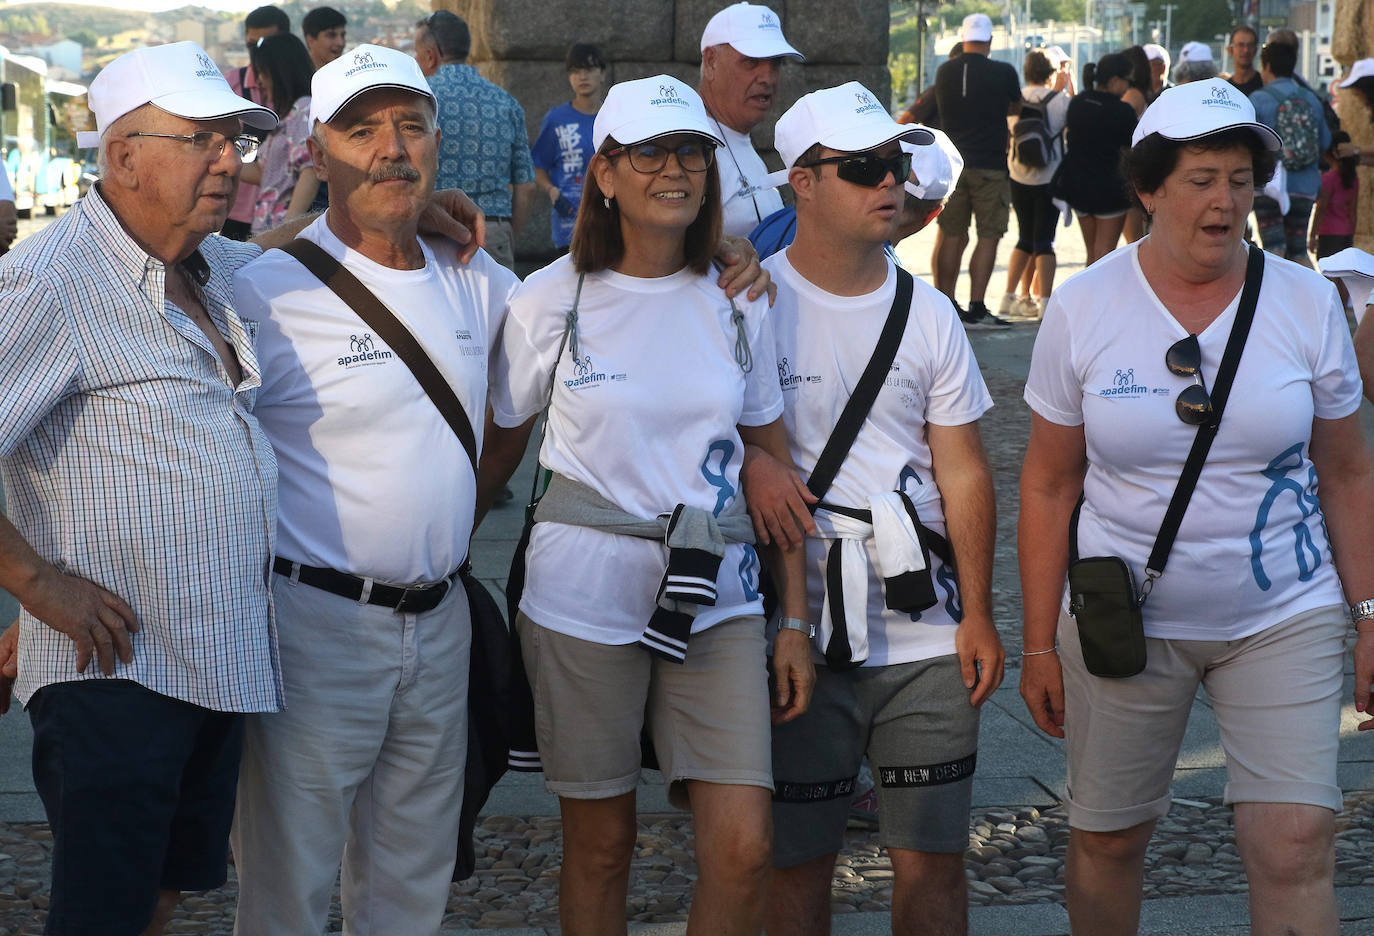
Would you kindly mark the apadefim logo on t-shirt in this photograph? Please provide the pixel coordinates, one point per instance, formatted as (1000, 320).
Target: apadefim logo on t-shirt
(363, 353)
(1124, 385)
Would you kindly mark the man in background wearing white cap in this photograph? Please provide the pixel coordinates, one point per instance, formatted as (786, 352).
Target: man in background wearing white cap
(375, 512)
(911, 700)
(1158, 57)
(141, 493)
(742, 48)
(1195, 63)
(975, 97)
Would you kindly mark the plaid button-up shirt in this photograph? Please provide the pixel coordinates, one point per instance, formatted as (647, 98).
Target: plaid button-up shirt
(127, 458)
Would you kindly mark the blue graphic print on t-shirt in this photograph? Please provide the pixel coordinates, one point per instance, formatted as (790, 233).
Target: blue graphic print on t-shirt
(563, 149)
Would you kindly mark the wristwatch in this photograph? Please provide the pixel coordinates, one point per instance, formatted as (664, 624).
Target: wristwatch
(1362, 611)
(797, 624)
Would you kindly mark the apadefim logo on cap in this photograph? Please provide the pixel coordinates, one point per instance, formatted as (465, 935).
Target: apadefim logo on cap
(866, 103)
(361, 62)
(1221, 97)
(207, 67)
(668, 97)
(769, 21)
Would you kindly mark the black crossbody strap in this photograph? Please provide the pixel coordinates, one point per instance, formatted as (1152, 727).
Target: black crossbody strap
(1221, 389)
(865, 391)
(384, 322)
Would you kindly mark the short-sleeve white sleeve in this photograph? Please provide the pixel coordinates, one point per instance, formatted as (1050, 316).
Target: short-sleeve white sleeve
(957, 395)
(6, 190)
(762, 396)
(1336, 385)
(522, 364)
(1054, 388)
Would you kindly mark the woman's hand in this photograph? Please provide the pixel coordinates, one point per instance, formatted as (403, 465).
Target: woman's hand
(777, 500)
(1042, 686)
(1364, 674)
(452, 214)
(9, 664)
(794, 676)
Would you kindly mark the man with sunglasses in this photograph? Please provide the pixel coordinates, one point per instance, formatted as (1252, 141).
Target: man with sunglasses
(141, 497)
(898, 680)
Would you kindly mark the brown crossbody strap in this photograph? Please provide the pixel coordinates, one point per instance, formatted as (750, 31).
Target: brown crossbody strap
(383, 321)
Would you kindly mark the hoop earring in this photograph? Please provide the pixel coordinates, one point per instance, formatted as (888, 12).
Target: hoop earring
(607, 202)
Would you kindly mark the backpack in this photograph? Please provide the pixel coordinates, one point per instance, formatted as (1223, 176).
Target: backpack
(1296, 125)
(1032, 143)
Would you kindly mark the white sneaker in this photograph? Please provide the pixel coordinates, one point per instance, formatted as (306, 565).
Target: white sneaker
(1038, 304)
(1008, 305)
(1020, 309)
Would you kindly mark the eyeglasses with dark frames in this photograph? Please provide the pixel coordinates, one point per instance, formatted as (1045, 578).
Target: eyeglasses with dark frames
(1184, 359)
(210, 143)
(867, 169)
(647, 158)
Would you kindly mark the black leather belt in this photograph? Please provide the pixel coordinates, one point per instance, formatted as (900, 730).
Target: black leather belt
(402, 600)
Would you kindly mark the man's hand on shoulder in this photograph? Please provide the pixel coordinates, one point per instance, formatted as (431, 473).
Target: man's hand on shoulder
(742, 269)
(99, 622)
(452, 214)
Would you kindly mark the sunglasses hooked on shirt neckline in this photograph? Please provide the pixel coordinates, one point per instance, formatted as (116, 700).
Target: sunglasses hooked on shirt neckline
(1184, 359)
(867, 169)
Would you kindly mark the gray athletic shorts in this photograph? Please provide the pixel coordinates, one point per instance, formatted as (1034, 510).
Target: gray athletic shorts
(708, 717)
(920, 733)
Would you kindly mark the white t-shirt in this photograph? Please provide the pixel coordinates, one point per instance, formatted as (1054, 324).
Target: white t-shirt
(373, 481)
(746, 200)
(1252, 550)
(1057, 112)
(646, 416)
(824, 342)
(6, 190)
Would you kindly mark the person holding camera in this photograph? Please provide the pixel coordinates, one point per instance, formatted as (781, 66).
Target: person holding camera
(1198, 402)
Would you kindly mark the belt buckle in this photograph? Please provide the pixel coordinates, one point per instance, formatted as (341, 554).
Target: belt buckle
(402, 606)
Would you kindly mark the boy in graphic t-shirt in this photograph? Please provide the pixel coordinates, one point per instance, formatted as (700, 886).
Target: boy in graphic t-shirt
(564, 146)
(898, 679)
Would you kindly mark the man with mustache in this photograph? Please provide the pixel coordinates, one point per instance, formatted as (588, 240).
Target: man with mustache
(141, 491)
(742, 48)
(376, 506)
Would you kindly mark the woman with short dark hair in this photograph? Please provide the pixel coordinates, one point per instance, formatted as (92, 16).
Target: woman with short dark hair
(641, 609)
(1268, 561)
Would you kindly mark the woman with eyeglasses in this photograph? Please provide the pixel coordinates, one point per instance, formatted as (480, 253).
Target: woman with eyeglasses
(1271, 559)
(283, 171)
(641, 606)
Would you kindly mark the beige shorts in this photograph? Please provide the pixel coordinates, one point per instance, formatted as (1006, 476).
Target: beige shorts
(1276, 696)
(708, 717)
(983, 195)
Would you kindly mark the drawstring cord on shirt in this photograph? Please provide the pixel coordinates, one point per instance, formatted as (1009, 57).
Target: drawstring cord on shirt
(744, 357)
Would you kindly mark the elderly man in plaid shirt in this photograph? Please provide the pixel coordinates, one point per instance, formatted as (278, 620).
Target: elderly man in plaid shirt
(141, 499)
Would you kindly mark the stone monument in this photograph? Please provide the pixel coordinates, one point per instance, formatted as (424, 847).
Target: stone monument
(520, 45)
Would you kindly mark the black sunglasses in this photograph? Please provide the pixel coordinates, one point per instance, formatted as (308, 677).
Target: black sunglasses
(1184, 359)
(868, 169)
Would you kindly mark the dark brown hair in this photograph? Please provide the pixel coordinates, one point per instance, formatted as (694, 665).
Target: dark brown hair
(597, 242)
(1147, 164)
(1037, 68)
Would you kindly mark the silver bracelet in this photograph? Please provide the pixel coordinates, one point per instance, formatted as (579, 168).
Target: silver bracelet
(1026, 653)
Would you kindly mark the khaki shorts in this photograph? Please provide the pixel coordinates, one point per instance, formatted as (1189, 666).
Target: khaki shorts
(984, 195)
(1276, 695)
(708, 717)
(916, 725)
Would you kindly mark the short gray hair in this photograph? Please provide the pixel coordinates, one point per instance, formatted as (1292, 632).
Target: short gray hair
(117, 130)
(1185, 72)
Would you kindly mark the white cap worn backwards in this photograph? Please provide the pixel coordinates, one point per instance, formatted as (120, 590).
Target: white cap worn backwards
(1361, 69)
(639, 110)
(977, 27)
(1195, 52)
(178, 78)
(365, 68)
(1199, 109)
(936, 167)
(749, 29)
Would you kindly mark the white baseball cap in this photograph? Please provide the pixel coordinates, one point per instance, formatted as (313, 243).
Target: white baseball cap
(365, 68)
(1361, 69)
(178, 78)
(1157, 52)
(1195, 52)
(977, 28)
(937, 167)
(847, 118)
(639, 110)
(1355, 269)
(1199, 109)
(749, 29)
